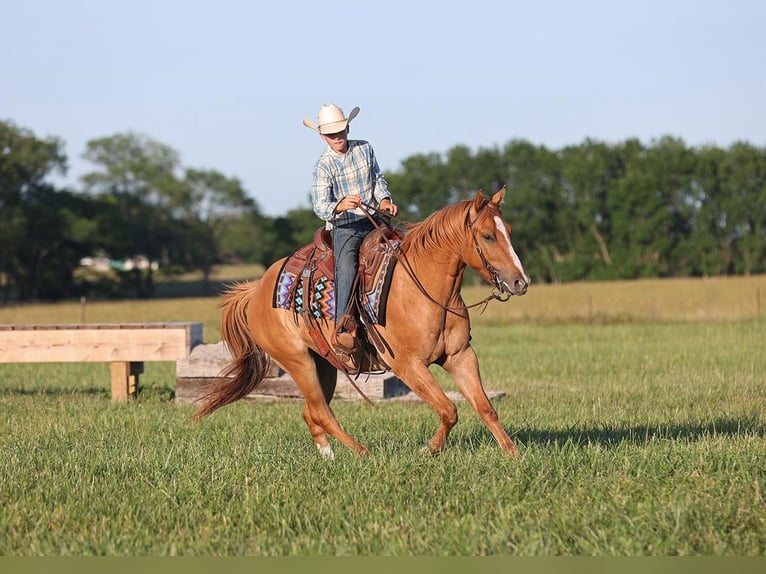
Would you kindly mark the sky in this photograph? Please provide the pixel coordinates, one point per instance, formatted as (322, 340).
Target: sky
(226, 84)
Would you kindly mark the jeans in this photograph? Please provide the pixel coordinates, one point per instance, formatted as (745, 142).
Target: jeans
(346, 240)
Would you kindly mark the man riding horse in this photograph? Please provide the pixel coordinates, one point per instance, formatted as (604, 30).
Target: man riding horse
(345, 177)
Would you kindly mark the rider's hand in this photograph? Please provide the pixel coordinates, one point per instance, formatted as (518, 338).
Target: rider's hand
(349, 202)
(389, 206)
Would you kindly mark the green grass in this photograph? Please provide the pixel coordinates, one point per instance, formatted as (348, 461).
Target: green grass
(637, 437)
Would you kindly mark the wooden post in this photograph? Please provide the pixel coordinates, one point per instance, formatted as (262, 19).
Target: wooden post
(125, 380)
(135, 369)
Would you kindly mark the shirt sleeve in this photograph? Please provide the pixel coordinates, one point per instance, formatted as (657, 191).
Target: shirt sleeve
(322, 196)
(380, 191)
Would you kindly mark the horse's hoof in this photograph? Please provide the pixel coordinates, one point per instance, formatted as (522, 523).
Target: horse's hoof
(510, 449)
(326, 451)
(362, 450)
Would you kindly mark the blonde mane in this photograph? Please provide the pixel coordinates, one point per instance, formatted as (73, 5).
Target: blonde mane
(441, 230)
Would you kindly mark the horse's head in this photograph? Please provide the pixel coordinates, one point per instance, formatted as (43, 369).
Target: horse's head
(491, 252)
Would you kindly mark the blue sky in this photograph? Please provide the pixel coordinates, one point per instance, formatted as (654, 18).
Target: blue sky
(227, 83)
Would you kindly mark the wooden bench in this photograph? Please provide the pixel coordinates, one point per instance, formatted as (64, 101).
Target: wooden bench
(125, 345)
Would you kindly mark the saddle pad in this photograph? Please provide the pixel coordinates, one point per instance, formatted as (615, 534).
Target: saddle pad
(376, 280)
(299, 287)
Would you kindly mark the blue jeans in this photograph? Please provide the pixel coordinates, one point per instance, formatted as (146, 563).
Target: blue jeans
(346, 240)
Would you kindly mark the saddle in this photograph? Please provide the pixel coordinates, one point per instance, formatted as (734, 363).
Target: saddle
(306, 285)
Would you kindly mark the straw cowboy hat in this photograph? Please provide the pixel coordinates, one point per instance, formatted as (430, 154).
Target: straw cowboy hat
(331, 120)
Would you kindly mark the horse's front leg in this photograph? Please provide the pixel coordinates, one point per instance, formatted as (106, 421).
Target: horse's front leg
(418, 378)
(464, 368)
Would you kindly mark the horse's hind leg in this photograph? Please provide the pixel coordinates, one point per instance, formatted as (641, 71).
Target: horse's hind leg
(317, 431)
(312, 378)
(328, 377)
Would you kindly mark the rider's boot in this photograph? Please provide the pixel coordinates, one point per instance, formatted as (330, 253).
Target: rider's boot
(344, 338)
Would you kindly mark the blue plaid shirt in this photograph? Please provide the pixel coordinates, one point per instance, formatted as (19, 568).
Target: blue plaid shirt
(337, 175)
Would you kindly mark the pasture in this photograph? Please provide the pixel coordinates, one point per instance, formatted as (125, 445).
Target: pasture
(639, 409)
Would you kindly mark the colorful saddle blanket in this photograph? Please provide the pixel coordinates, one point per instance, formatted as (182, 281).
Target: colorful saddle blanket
(306, 282)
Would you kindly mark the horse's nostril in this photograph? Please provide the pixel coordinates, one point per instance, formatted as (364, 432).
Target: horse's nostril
(520, 285)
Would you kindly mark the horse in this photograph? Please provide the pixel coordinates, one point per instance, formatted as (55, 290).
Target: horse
(427, 323)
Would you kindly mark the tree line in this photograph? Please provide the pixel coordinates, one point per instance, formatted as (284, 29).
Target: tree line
(590, 211)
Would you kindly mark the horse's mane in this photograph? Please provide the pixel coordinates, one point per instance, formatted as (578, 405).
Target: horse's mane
(443, 229)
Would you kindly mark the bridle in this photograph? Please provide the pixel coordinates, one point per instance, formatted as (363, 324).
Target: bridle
(503, 294)
(498, 292)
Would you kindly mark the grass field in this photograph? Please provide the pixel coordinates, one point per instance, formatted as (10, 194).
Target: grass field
(639, 408)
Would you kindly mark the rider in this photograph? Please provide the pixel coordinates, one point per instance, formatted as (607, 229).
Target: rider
(345, 176)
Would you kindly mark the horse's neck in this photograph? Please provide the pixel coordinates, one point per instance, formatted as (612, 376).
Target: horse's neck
(440, 275)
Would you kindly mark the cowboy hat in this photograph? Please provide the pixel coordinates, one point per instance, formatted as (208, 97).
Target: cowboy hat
(331, 119)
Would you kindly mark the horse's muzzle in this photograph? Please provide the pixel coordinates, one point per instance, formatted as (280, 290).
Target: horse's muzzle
(518, 286)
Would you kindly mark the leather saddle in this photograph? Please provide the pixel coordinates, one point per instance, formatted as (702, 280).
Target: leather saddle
(306, 285)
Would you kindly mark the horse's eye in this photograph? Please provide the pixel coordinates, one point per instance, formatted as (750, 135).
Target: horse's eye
(488, 237)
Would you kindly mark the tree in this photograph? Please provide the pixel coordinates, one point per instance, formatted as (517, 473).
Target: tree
(707, 238)
(538, 210)
(421, 187)
(140, 176)
(300, 224)
(745, 190)
(25, 162)
(209, 203)
(588, 171)
(59, 229)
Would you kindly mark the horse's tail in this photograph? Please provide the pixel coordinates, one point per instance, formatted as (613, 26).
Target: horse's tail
(249, 365)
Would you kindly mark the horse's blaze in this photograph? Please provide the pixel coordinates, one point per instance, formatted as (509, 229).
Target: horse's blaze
(500, 225)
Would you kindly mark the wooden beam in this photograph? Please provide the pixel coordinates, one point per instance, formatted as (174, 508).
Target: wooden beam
(127, 342)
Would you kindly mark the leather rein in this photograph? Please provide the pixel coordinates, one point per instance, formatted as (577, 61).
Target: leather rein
(498, 293)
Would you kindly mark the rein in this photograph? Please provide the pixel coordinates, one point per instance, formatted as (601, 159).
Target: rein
(497, 293)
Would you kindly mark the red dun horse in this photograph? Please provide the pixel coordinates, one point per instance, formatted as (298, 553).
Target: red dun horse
(427, 323)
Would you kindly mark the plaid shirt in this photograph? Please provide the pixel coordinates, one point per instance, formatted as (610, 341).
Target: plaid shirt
(337, 175)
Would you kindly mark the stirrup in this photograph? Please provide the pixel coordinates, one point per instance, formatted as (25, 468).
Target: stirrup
(345, 347)
(347, 330)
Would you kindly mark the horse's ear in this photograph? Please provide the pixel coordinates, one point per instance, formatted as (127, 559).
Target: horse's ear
(499, 197)
(479, 200)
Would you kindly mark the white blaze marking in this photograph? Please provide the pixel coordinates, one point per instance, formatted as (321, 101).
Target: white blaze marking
(516, 261)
